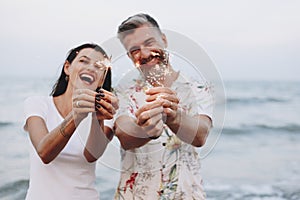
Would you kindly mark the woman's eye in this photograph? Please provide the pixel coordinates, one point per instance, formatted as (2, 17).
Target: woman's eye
(84, 61)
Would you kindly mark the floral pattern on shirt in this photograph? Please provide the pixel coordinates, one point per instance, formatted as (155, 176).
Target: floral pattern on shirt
(165, 168)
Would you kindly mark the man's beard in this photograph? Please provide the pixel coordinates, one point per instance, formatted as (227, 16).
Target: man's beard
(155, 74)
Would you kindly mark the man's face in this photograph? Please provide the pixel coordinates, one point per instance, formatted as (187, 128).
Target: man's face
(142, 44)
(145, 47)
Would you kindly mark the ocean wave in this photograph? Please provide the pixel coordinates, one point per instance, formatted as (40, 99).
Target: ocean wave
(3, 124)
(291, 128)
(264, 192)
(255, 100)
(14, 190)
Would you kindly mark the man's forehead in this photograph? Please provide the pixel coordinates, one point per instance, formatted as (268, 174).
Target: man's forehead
(139, 35)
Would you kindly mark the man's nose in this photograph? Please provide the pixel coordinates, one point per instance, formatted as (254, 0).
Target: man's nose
(145, 52)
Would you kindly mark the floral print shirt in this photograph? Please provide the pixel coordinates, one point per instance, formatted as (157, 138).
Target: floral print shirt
(164, 168)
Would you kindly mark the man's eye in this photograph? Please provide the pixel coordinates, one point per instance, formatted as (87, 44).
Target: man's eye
(150, 43)
(134, 52)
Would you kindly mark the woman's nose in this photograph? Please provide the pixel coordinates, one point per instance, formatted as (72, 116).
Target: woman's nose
(92, 67)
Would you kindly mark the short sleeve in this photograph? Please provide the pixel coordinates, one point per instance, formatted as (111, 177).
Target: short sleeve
(196, 97)
(35, 106)
(109, 123)
(204, 98)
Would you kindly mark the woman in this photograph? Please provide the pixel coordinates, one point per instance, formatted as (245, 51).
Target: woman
(62, 166)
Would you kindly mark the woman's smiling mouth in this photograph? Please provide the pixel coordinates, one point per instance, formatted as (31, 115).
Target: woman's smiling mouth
(87, 78)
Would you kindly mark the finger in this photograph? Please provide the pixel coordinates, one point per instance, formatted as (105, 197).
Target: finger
(170, 104)
(167, 96)
(108, 96)
(156, 90)
(146, 115)
(156, 131)
(86, 95)
(105, 114)
(83, 110)
(112, 99)
(83, 104)
(151, 122)
(170, 113)
(148, 106)
(90, 92)
(106, 106)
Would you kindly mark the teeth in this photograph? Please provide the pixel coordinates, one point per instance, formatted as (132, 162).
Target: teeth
(87, 77)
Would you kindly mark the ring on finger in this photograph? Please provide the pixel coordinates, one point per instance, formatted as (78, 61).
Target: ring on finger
(77, 104)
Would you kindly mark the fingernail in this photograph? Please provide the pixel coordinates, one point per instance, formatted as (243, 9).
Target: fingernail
(98, 98)
(100, 95)
(99, 90)
(98, 105)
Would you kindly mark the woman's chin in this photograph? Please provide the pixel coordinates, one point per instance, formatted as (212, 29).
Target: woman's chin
(86, 85)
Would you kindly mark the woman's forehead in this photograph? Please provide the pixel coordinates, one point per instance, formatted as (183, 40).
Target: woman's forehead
(90, 53)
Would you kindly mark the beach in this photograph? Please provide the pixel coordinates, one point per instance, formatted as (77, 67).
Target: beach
(255, 157)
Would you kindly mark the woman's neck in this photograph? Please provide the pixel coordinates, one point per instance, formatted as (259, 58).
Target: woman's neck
(63, 103)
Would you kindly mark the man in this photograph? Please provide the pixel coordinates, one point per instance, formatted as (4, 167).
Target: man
(162, 118)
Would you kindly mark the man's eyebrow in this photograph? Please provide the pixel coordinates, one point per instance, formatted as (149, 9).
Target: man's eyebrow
(134, 48)
(149, 40)
(145, 42)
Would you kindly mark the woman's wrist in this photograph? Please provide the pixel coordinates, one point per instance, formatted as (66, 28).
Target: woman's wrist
(67, 127)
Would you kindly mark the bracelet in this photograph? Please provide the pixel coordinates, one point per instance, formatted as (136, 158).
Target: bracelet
(154, 137)
(62, 132)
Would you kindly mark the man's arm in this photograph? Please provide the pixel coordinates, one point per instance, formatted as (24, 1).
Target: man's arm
(129, 134)
(192, 130)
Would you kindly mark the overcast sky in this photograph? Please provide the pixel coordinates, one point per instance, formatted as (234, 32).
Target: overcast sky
(255, 39)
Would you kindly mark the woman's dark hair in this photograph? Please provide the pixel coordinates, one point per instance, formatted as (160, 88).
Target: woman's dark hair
(61, 84)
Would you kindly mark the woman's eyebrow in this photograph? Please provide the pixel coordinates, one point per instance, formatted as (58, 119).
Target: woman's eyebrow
(85, 57)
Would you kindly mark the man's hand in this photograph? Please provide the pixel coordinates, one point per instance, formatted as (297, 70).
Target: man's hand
(169, 101)
(150, 118)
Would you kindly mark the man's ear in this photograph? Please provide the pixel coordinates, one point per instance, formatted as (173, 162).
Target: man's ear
(67, 67)
(164, 38)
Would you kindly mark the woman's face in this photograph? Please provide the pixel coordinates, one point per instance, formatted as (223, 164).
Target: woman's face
(85, 71)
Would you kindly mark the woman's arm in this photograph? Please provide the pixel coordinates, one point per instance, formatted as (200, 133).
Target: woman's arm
(101, 135)
(49, 144)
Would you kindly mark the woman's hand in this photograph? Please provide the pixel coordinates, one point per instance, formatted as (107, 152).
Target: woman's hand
(83, 103)
(106, 104)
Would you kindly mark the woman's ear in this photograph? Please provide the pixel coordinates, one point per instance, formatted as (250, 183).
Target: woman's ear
(67, 67)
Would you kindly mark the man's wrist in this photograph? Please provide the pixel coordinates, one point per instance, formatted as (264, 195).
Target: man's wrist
(176, 120)
(154, 137)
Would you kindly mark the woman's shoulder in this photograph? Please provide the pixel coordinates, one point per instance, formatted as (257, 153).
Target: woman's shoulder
(38, 101)
(38, 98)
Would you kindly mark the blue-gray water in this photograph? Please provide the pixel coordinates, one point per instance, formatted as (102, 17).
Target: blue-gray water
(256, 157)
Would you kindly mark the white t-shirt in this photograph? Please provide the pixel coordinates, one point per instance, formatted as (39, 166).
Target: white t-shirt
(69, 175)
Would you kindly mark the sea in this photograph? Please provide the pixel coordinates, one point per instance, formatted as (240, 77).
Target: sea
(256, 156)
